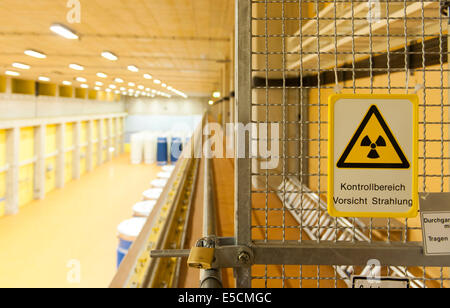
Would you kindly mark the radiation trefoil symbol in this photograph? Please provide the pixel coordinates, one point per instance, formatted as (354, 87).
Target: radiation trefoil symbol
(373, 146)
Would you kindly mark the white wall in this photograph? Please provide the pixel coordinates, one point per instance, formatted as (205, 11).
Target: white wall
(14, 106)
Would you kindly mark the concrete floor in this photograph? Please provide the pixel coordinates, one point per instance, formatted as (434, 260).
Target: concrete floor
(70, 239)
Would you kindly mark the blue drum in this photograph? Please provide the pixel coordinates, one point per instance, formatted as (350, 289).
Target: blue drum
(175, 149)
(162, 151)
(128, 232)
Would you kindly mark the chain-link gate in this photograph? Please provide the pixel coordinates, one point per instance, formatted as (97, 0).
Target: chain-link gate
(291, 56)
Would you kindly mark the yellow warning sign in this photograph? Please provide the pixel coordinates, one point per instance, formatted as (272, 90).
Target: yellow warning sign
(373, 146)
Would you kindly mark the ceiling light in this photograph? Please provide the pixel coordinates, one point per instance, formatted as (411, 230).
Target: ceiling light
(108, 90)
(81, 79)
(76, 67)
(109, 55)
(157, 81)
(169, 88)
(102, 75)
(12, 73)
(216, 94)
(123, 89)
(66, 83)
(98, 83)
(112, 86)
(97, 88)
(141, 87)
(118, 80)
(64, 32)
(117, 92)
(131, 84)
(21, 66)
(131, 90)
(35, 54)
(211, 103)
(133, 68)
(164, 85)
(45, 79)
(148, 76)
(84, 86)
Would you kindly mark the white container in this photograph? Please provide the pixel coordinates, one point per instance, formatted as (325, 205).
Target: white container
(159, 183)
(150, 148)
(137, 148)
(164, 175)
(168, 168)
(152, 194)
(144, 209)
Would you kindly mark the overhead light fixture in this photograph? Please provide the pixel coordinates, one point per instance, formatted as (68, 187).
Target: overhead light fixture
(117, 92)
(64, 32)
(157, 81)
(131, 84)
(84, 86)
(109, 55)
(216, 94)
(131, 90)
(12, 73)
(98, 83)
(108, 90)
(169, 88)
(123, 89)
(164, 85)
(66, 83)
(97, 88)
(211, 102)
(43, 78)
(118, 80)
(102, 75)
(76, 67)
(81, 79)
(141, 87)
(35, 54)
(133, 68)
(21, 66)
(148, 76)
(113, 86)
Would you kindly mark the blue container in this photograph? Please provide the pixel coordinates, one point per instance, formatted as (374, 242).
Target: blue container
(122, 251)
(162, 151)
(128, 232)
(175, 149)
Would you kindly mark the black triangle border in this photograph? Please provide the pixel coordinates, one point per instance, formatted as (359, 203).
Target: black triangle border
(373, 111)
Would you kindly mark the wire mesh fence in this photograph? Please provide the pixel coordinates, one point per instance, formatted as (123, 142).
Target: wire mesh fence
(301, 53)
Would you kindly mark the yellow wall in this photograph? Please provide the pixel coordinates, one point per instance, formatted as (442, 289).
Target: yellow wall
(47, 89)
(105, 141)
(65, 91)
(95, 146)
(2, 84)
(20, 86)
(2, 174)
(68, 143)
(50, 163)
(26, 173)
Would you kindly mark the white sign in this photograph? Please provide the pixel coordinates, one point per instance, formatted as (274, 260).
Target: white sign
(436, 233)
(380, 283)
(373, 156)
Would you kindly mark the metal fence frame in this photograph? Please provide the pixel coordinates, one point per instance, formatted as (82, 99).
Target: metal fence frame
(295, 253)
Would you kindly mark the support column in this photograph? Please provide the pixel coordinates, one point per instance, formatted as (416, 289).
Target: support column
(122, 136)
(60, 158)
(109, 154)
(117, 137)
(12, 175)
(90, 146)
(100, 143)
(8, 85)
(76, 168)
(39, 170)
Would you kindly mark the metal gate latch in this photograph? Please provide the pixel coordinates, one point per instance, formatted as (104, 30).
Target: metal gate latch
(202, 256)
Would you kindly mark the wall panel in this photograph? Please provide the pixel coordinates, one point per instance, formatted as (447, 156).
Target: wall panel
(26, 171)
(50, 162)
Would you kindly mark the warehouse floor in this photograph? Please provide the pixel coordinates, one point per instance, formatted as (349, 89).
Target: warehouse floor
(43, 245)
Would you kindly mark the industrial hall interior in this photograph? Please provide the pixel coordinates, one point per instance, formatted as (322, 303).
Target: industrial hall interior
(214, 144)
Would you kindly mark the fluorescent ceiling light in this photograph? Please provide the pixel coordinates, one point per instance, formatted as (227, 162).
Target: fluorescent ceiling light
(108, 90)
(164, 85)
(64, 32)
(21, 66)
(148, 76)
(45, 79)
(211, 102)
(113, 86)
(81, 79)
(84, 86)
(133, 68)
(157, 81)
(131, 90)
(98, 83)
(147, 89)
(35, 54)
(123, 89)
(109, 55)
(131, 84)
(97, 88)
(76, 67)
(141, 87)
(216, 94)
(102, 75)
(117, 92)
(12, 73)
(67, 83)
(169, 88)
(118, 80)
